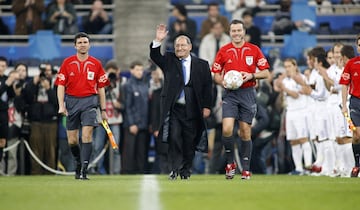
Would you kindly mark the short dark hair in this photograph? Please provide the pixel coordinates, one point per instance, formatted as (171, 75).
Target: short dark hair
(2, 58)
(181, 8)
(320, 53)
(322, 59)
(21, 64)
(80, 35)
(317, 51)
(285, 5)
(236, 21)
(215, 4)
(247, 13)
(348, 51)
(136, 63)
(112, 64)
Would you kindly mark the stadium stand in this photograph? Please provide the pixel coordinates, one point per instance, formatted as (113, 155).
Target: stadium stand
(329, 28)
(28, 49)
(340, 27)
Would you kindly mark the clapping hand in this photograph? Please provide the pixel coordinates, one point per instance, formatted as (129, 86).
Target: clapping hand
(161, 32)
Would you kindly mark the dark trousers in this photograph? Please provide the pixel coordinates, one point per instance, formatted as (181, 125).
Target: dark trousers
(217, 161)
(65, 156)
(181, 144)
(43, 140)
(135, 152)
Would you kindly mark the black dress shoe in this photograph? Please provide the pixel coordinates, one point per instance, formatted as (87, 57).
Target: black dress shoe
(78, 170)
(83, 175)
(173, 175)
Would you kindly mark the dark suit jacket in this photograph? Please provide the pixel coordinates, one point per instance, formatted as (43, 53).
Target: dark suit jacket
(173, 84)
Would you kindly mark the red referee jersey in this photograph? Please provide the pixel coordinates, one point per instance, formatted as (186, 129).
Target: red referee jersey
(81, 78)
(351, 76)
(243, 59)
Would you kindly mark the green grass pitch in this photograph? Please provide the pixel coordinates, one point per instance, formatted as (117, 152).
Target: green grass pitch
(208, 192)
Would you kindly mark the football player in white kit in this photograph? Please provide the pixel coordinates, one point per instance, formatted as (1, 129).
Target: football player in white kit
(344, 160)
(325, 159)
(310, 75)
(330, 57)
(296, 126)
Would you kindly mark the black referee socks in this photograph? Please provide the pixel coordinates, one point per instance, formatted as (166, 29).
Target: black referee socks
(356, 151)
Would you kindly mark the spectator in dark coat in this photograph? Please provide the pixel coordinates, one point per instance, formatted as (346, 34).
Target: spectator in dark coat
(183, 25)
(136, 123)
(28, 16)
(98, 21)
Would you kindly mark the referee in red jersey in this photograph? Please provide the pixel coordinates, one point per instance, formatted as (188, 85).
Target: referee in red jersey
(350, 79)
(81, 81)
(239, 104)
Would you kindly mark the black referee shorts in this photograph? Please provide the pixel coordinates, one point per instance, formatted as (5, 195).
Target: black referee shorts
(240, 104)
(354, 110)
(81, 111)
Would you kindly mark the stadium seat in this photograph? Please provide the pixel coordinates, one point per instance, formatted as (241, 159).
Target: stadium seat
(300, 10)
(300, 1)
(197, 18)
(338, 22)
(14, 52)
(272, 1)
(184, 2)
(264, 22)
(44, 45)
(224, 12)
(211, 1)
(356, 27)
(294, 48)
(323, 29)
(79, 20)
(266, 50)
(10, 21)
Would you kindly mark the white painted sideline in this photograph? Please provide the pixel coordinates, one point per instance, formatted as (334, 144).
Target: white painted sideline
(150, 193)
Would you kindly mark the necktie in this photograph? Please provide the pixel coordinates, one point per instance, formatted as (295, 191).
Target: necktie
(217, 45)
(184, 69)
(182, 94)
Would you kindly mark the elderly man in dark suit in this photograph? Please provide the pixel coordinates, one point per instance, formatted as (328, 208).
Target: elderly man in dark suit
(186, 101)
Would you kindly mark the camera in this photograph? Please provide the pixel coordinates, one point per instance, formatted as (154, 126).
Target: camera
(42, 67)
(42, 76)
(54, 69)
(19, 84)
(112, 78)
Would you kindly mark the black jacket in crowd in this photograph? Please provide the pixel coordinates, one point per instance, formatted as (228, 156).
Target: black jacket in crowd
(40, 111)
(136, 103)
(4, 89)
